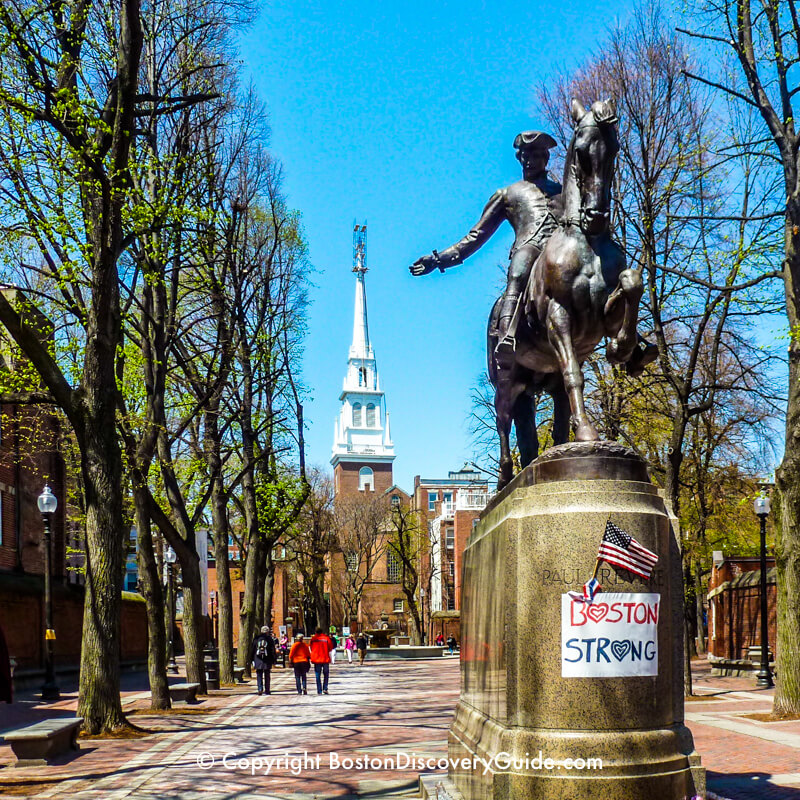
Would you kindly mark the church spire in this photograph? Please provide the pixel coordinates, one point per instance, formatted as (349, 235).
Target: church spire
(361, 347)
(361, 431)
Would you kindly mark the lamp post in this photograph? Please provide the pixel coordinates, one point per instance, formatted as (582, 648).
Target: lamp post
(214, 622)
(762, 507)
(48, 503)
(171, 558)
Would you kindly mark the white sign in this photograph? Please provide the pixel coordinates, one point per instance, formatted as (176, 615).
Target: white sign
(281, 630)
(616, 636)
(345, 631)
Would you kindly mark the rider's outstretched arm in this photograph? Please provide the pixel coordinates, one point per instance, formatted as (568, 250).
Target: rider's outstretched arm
(492, 217)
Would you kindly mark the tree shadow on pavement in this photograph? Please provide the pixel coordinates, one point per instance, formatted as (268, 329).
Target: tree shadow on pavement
(749, 786)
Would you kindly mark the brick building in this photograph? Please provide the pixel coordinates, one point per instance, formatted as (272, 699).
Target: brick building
(448, 509)
(734, 613)
(30, 457)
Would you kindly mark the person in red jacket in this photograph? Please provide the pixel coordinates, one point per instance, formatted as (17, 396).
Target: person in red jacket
(321, 646)
(299, 658)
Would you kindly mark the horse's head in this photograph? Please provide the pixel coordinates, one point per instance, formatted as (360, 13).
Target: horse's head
(591, 159)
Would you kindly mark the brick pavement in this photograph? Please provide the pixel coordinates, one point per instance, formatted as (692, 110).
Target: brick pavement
(387, 712)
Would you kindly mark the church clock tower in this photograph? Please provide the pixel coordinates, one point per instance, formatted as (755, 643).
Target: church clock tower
(363, 451)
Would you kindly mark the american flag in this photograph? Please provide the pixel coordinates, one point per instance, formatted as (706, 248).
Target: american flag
(623, 550)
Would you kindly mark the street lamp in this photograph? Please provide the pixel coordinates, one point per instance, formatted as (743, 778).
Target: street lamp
(48, 503)
(171, 558)
(761, 506)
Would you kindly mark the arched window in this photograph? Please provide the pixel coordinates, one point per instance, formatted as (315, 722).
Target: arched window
(366, 480)
(356, 415)
(370, 416)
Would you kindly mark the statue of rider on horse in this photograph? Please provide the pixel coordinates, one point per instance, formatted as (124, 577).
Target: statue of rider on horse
(568, 285)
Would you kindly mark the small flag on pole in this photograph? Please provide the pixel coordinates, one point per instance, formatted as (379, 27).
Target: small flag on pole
(590, 589)
(624, 551)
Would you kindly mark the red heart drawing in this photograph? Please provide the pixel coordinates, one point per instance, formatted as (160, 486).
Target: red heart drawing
(597, 611)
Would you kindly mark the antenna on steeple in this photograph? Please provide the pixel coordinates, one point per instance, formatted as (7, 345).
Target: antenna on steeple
(359, 247)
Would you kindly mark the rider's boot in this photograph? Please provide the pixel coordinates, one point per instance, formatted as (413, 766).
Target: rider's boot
(507, 343)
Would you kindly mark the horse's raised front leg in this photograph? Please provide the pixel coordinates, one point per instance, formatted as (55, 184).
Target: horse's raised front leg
(620, 315)
(559, 332)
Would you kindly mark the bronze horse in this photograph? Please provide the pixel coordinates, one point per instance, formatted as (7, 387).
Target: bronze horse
(578, 292)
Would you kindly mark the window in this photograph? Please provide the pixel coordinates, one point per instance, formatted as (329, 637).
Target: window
(393, 569)
(448, 497)
(351, 561)
(451, 603)
(432, 498)
(398, 607)
(356, 415)
(366, 480)
(395, 501)
(452, 567)
(370, 416)
(362, 376)
(450, 538)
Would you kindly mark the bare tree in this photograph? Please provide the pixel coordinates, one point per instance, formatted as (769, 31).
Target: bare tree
(760, 51)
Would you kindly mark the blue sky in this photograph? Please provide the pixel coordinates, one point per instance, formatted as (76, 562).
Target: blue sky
(404, 114)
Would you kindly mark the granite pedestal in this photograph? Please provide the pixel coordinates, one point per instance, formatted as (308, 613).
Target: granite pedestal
(537, 540)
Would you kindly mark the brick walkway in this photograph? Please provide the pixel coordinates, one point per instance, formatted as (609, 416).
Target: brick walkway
(386, 712)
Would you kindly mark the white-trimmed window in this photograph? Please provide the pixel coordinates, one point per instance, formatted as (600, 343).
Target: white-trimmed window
(366, 480)
(356, 415)
(395, 501)
(452, 567)
(432, 498)
(351, 562)
(371, 415)
(398, 607)
(450, 538)
(392, 568)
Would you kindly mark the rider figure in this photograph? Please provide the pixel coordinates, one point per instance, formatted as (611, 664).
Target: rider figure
(533, 207)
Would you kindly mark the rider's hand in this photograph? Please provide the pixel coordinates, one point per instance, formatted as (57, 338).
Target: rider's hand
(424, 265)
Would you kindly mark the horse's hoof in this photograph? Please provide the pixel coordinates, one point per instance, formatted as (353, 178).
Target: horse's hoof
(644, 354)
(586, 433)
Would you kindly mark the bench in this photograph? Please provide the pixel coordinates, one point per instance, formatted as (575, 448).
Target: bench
(238, 674)
(186, 692)
(38, 744)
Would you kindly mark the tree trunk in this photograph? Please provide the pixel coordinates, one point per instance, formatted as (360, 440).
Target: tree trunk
(248, 618)
(154, 598)
(269, 590)
(224, 597)
(99, 699)
(193, 622)
(787, 488)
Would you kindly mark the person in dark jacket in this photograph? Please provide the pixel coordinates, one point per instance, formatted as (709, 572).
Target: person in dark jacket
(361, 646)
(262, 654)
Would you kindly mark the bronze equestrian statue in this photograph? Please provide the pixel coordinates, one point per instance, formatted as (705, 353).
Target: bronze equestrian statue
(578, 288)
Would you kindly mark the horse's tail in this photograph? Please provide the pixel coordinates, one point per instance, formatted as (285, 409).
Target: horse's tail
(492, 339)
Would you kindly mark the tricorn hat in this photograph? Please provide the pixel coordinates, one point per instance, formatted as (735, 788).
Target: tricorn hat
(528, 140)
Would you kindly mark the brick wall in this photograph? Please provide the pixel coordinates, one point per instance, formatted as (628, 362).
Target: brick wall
(22, 620)
(346, 477)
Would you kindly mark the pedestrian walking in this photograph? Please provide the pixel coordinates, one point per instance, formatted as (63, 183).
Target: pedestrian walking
(333, 649)
(361, 645)
(349, 646)
(262, 656)
(321, 647)
(300, 659)
(452, 643)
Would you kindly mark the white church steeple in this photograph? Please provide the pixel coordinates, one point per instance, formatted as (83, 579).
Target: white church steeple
(361, 432)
